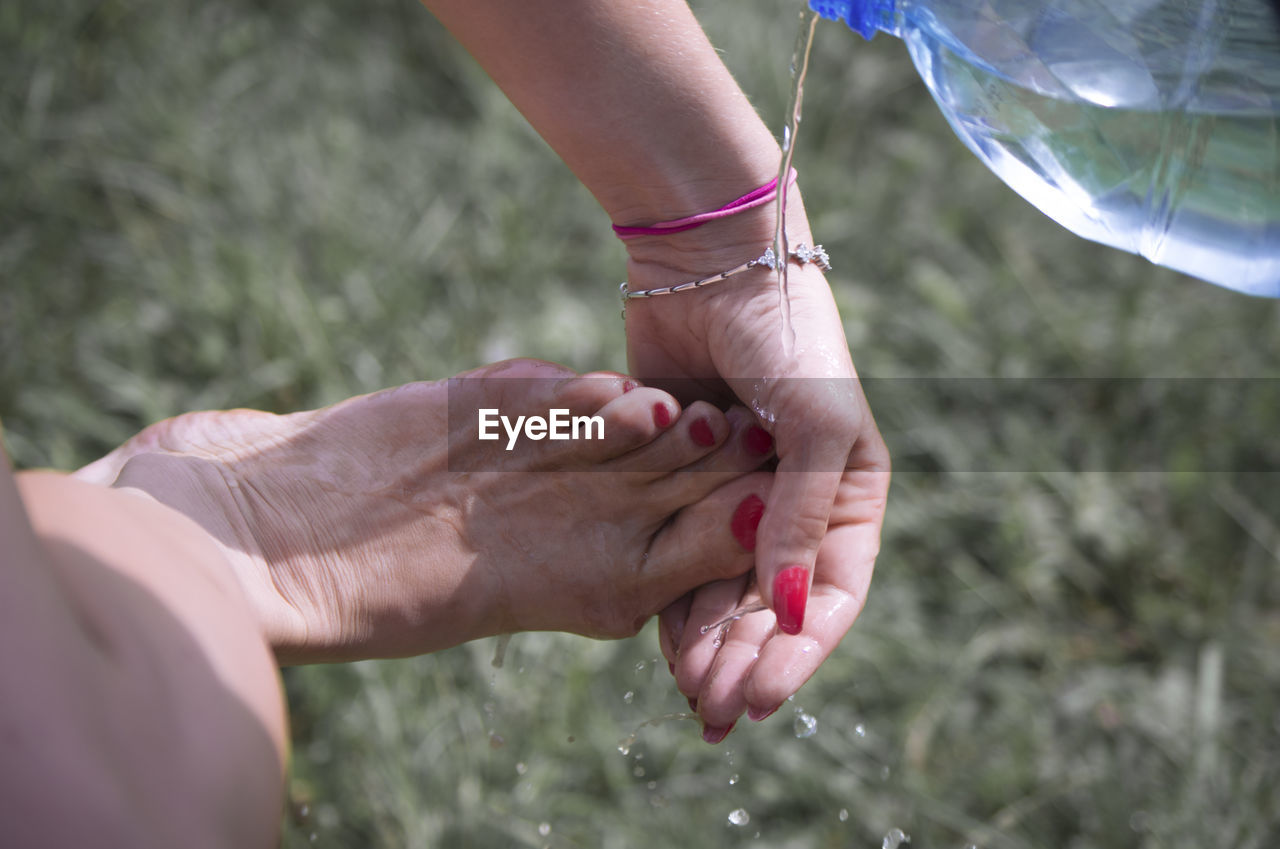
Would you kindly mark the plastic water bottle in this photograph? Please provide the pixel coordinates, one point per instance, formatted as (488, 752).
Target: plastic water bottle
(1148, 125)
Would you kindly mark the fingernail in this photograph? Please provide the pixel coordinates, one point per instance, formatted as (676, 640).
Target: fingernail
(701, 433)
(758, 440)
(661, 415)
(790, 594)
(715, 735)
(746, 518)
(628, 385)
(760, 714)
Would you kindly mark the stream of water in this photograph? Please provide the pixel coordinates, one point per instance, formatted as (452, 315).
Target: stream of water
(799, 69)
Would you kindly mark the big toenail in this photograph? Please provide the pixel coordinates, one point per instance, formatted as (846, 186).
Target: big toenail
(758, 440)
(701, 433)
(745, 521)
(661, 415)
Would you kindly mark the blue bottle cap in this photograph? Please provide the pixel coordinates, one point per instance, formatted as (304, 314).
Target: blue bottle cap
(862, 16)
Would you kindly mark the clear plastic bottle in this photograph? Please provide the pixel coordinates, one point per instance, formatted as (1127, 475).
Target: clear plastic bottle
(1149, 125)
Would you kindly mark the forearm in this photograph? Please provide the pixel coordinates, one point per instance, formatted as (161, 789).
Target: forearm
(630, 94)
(141, 705)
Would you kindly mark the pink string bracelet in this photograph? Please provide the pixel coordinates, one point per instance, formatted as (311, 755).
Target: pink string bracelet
(758, 197)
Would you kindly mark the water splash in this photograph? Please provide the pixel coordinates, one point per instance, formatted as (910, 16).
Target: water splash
(723, 624)
(894, 838)
(625, 744)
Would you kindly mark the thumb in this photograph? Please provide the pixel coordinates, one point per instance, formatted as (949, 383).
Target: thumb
(794, 524)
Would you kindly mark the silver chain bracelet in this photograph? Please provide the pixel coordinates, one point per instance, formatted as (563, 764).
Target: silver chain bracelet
(801, 253)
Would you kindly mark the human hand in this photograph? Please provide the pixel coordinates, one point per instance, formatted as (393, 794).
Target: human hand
(820, 532)
(381, 526)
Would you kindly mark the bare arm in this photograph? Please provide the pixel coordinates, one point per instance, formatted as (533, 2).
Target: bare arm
(141, 705)
(630, 94)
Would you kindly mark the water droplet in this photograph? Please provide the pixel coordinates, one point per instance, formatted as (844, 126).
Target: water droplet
(314, 837)
(640, 666)
(496, 740)
(843, 815)
(638, 772)
(521, 769)
(739, 816)
(860, 730)
(652, 785)
(884, 773)
(806, 724)
(544, 829)
(629, 696)
(733, 779)
(895, 838)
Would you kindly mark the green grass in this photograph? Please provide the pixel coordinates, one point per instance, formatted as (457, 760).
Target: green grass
(238, 203)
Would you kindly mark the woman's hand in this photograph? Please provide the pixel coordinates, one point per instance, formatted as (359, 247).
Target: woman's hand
(819, 536)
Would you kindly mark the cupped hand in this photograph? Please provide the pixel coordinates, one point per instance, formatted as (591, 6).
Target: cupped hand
(818, 539)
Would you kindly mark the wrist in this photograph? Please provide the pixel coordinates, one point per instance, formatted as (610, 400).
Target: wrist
(656, 261)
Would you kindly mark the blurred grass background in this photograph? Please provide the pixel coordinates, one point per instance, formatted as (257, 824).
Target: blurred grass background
(279, 204)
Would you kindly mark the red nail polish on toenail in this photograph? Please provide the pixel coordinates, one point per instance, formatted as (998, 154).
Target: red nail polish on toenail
(628, 385)
(715, 735)
(701, 433)
(661, 415)
(758, 440)
(790, 594)
(745, 521)
(759, 715)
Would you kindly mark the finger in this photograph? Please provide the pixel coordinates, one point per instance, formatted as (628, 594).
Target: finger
(790, 533)
(722, 698)
(811, 472)
(698, 647)
(845, 564)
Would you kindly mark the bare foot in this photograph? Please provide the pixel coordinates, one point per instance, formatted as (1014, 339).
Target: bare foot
(384, 525)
